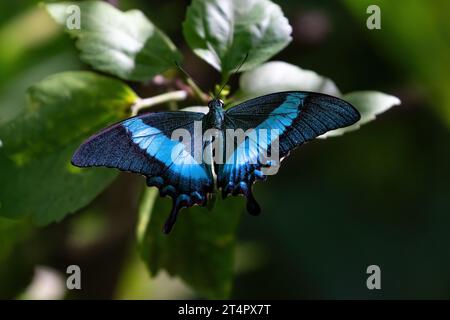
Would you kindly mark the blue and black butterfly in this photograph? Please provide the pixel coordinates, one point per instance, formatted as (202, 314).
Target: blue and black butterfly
(144, 145)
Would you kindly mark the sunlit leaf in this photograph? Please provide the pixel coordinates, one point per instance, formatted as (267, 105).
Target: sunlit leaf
(276, 76)
(223, 32)
(64, 109)
(125, 44)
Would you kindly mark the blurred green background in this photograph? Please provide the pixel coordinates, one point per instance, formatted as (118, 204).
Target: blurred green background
(379, 195)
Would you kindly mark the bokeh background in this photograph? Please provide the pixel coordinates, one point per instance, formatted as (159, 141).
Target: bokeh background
(379, 195)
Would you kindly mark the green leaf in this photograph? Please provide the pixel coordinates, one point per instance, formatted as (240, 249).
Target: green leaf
(63, 110)
(223, 32)
(276, 76)
(124, 44)
(200, 248)
(279, 76)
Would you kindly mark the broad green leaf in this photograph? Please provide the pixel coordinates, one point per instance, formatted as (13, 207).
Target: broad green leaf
(200, 248)
(223, 32)
(124, 44)
(36, 176)
(281, 76)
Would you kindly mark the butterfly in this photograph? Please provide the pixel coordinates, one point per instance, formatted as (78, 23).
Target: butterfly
(144, 144)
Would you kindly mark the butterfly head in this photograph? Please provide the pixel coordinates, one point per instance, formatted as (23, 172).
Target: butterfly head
(216, 104)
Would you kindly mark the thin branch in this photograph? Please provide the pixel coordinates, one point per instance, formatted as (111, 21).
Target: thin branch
(203, 97)
(162, 98)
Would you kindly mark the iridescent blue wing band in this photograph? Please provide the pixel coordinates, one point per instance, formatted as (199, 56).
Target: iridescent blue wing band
(143, 145)
(295, 117)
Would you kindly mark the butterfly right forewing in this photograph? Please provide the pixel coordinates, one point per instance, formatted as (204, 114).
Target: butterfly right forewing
(292, 118)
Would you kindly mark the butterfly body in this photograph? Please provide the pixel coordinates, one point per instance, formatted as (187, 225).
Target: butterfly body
(188, 171)
(216, 115)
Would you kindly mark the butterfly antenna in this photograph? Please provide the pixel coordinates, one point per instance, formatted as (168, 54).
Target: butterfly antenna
(197, 91)
(232, 74)
(183, 71)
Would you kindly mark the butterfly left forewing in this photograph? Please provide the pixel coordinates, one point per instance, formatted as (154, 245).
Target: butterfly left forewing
(144, 145)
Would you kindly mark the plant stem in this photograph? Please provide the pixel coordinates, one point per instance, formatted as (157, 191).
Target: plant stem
(147, 203)
(203, 97)
(162, 98)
